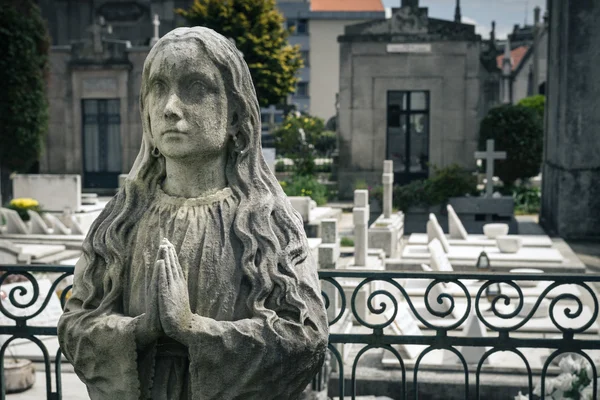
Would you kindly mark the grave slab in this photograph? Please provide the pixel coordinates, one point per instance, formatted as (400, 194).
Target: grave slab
(40, 250)
(482, 240)
(69, 241)
(468, 253)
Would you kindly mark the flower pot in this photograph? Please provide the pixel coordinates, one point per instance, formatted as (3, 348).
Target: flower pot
(509, 244)
(492, 231)
(19, 375)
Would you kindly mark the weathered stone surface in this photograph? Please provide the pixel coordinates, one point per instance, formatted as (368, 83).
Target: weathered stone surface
(54, 192)
(571, 173)
(199, 267)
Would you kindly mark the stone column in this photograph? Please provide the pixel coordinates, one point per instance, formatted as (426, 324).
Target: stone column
(361, 220)
(571, 173)
(388, 183)
(329, 252)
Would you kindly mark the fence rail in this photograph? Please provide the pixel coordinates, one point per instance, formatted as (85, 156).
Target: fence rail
(440, 303)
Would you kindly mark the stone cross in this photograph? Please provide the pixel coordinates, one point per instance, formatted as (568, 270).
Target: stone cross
(96, 31)
(388, 182)
(156, 23)
(302, 135)
(361, 220)
(489, 155)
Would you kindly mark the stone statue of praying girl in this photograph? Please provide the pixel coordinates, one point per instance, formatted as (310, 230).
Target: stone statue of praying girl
(196, 281)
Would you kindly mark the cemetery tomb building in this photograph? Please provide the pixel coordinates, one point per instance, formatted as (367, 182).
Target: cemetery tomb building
(96, 57)
(413, 89)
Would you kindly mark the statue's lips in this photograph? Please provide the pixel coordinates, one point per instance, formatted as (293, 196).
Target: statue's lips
(173, 132)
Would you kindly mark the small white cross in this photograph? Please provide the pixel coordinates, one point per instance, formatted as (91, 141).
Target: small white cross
(302, 135)
(156, 23)
(489, 155)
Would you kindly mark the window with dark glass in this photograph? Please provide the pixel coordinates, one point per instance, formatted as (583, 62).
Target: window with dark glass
(300, 25)
(305, 57)
(408, 133)
(302, 89)
(101, 142)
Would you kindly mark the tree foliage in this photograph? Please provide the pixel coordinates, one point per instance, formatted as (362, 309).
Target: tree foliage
(24, 47)
(257, 28)
(537, 102)
(317, 141)
(518, 131)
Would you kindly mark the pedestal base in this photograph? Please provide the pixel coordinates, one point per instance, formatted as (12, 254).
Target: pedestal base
(386, 234)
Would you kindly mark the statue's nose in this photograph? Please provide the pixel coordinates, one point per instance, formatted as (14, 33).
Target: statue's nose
(173, 108)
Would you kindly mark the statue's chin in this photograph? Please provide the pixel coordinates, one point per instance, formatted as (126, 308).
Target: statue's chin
(185, 151)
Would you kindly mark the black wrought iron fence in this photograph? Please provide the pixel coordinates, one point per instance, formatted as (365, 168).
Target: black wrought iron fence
(378, 304)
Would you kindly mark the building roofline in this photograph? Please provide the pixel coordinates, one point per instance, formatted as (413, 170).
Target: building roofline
(367, 15)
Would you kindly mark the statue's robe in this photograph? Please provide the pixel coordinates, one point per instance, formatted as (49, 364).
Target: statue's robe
(232, 353)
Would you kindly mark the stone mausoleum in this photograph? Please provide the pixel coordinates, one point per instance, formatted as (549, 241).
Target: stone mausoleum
(94, 83)
(413, 90)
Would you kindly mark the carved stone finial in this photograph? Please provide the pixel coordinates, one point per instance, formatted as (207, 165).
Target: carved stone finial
(457, 13)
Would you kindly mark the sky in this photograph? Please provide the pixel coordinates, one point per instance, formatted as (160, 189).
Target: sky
(480, 13)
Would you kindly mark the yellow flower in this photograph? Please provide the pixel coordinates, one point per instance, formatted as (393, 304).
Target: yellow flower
(24, 202)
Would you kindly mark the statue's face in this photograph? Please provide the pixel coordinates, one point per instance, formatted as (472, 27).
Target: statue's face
(187, 103)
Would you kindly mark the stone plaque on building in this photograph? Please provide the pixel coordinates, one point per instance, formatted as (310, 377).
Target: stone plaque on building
(129, 11)
(100, 85)
(409, 48)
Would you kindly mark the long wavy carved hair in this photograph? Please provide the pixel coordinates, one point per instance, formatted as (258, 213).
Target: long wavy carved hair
(267, 262)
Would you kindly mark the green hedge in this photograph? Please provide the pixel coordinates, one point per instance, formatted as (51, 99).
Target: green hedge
(452, 181)
(299, 185)
(24, 45)
(517, 130)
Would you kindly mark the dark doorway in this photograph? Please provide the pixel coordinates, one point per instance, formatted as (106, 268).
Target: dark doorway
(408, 134)
(101, 143)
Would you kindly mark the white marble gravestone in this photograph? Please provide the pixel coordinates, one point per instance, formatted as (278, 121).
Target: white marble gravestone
(434, 231)
(473, 327)
(56, 224)
(53, 192)
(387, 230)
(361, 218)
(438, 259)
(14, 223)
(269, 155)
(11, 254)
(38, 225)
(455, 226)
(405, 325)
(490, 156)
(329, 250)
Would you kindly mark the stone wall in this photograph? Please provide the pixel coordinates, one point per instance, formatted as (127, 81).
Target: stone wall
(571, 174)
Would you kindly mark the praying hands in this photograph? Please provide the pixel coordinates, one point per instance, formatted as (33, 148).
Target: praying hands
(168, 309)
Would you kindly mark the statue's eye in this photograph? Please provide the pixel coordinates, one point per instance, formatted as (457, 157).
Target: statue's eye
(197, 86)
(158, 85)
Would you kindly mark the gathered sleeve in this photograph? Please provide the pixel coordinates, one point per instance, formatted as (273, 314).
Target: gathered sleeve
(259, 358)
(97, 338)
